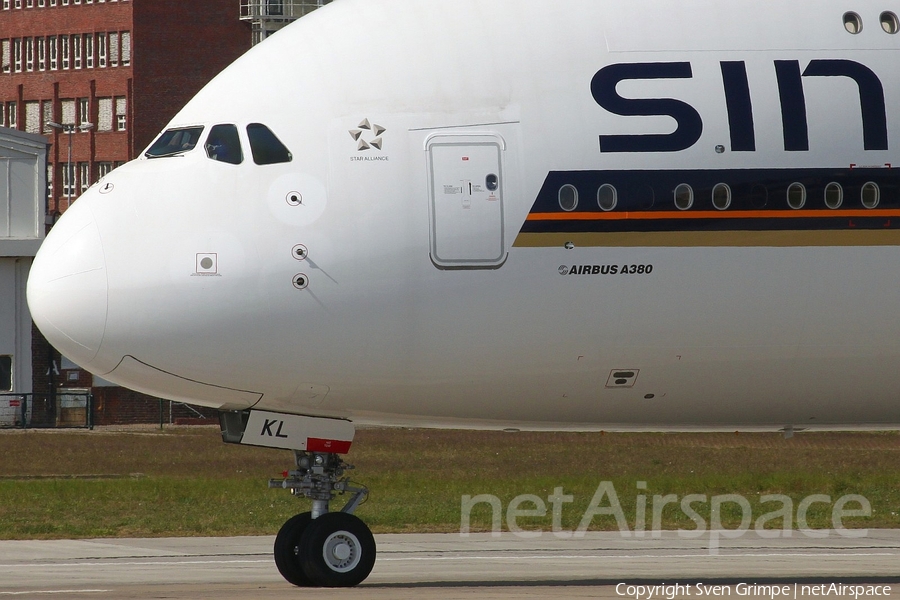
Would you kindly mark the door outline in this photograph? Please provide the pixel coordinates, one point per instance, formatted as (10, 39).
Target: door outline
(475, 141)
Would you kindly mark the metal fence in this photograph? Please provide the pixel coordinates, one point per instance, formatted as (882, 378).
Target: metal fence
(278, 9)
(65, 409)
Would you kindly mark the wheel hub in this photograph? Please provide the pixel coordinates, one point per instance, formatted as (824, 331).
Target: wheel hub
(341, 551)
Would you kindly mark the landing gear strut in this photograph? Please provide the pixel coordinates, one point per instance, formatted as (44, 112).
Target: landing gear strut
(321, 548)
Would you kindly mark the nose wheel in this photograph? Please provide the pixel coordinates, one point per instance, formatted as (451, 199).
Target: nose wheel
(335, 550)
(340, 550)
(288, 555)
(321, 548)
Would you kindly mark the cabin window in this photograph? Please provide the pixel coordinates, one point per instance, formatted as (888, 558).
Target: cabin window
(265, 147)
(6, 374)
(684, 196)
(834, 195)
(721, 196)
(871, 195)
(175, 141)
(568, 197)
(852, 22)
(889, 22)
(607, 197)
(796, 196)
(224, 145)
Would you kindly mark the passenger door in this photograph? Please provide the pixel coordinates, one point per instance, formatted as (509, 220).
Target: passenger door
(466, 185)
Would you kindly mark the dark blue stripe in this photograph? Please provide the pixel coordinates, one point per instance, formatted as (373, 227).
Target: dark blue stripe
(764, 190)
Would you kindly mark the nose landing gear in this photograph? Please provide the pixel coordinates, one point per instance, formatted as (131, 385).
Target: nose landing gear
(321, 548)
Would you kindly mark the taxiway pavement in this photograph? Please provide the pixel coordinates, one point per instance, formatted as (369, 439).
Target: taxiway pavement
(446, 566)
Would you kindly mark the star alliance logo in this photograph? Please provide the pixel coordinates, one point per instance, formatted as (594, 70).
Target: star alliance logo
(360, 134)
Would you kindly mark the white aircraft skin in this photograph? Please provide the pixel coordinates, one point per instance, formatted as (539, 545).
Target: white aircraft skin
(422, 258)
(725, 332)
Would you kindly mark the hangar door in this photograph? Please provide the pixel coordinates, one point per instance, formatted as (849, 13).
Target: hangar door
(466, 183)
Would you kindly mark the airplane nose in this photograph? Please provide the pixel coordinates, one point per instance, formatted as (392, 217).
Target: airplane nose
(67, 286)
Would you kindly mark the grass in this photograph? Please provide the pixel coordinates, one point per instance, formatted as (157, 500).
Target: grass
(184, 482)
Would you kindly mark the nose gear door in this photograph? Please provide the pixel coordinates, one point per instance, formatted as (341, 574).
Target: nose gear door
(466, 185)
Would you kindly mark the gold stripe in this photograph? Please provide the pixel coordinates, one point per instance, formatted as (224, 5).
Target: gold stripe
(688, 239)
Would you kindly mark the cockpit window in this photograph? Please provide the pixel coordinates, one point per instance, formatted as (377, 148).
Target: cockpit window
(174, 141)
(266, 148)
(224, 145)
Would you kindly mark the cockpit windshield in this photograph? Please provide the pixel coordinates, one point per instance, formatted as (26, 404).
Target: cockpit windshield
(265, 147)
(224, 145)
(174, 142)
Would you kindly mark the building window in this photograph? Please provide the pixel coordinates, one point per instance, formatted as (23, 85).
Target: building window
(29, 4)
(17, 55)
(113, 49)
(5, 4)
(275, 7)
(126, 48)
(68, 112)
(89, 51)
(33, 117)
(29, 54)
(6, 379)
(54, 52)
(104, 169)
(50, 181)
(84, 175)
(42, 53)
(64, 42)
(121, 106)
(76, 41)
(67, 183)
(84, 111)
(6, 54)
(12, 113)
(48, 116)
(41, 3)
(101, 50)
(104, 114)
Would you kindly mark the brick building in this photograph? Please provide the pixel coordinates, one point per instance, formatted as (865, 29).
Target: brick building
(107, 75)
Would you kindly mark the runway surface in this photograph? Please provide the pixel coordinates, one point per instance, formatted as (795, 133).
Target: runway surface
(450, 566)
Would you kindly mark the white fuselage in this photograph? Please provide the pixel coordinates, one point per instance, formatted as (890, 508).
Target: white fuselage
(414, 308)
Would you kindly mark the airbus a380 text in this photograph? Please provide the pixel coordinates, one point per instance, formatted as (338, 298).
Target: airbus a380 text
(506, 214)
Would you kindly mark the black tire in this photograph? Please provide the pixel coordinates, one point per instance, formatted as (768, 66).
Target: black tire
(288, 554)
(338, 550)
